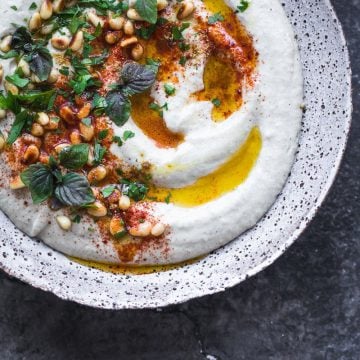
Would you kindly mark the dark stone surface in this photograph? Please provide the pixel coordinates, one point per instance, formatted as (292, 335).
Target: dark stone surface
(305, 306)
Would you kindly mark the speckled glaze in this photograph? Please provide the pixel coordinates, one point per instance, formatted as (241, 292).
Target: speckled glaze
(322, 142)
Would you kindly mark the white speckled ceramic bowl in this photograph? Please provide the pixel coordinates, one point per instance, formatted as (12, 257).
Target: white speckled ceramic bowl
(323, 138)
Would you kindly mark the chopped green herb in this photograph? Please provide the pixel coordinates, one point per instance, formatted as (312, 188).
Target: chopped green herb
(216, 102)
(107, 191)
(128, 135)
(244, 4)
(215, 18)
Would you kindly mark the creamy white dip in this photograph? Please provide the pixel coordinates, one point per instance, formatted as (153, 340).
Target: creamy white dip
(273, 104)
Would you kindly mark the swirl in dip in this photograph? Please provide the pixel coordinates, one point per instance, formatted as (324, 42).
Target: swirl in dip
(145, 132)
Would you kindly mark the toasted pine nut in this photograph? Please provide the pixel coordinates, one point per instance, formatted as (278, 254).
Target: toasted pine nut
(37, 130)
(97, 209)
(143, 229)
(53, 124)
(47, 29)
(187, 8)
(95, 20)
(59, 148)
(35, 22)
(91, 158)
(129, 27)
(46, 10)
(129, 41)
(42, 118)
(16, 183)
(116, 23)
(2, 142)
(58, 6)
(117, 227)
(68, 115)
(84, 111)
(137, 52)
(11, 88)
(75, 137)
(31, 154)
(77, 41)
(112, 37)
(124, 202)
(161, 4)
(132, 14)
(35, 79)
(64, 222)
(60, 42)
(5, 44)
(1, 73)
(2, 114)
(87, 132)
(25, 67)
(97, 174)
(53, 76)
(158, 229)
(31, 140)
(95, 191)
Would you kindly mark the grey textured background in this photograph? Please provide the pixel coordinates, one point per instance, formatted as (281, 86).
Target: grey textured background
(305, 306)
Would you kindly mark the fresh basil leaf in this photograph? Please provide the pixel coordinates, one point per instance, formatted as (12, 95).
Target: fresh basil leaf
(74, 157)
(99, 152)
(21, 39)
(36, 100)
(10, 102)
(147, 9)
(39, 179)
(22, 119)
(41, 62)
(74, 190)
(17, 80)
(118, 107)
(107, 191)
(9, 55)
(137, 78)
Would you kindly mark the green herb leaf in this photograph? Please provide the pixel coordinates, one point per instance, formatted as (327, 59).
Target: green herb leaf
(99, 152)
(118, 107)
(128, 135)
(216, 102)
(39, 179)
(134, 190)
(215, 18)
(74, 157)
(147, 9)
(33, 6)
(244, 4)
(107, 191)
(9, 55)
(36, 100)
(17, 80)
(169, 89)
(74, 190)
(21, 120)
(21, 40)
(103, 134)
(41, 62)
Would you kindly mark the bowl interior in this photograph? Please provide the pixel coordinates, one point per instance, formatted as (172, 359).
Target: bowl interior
(322, 142)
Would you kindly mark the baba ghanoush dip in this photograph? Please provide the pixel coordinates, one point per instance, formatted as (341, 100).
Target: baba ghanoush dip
(145, 132)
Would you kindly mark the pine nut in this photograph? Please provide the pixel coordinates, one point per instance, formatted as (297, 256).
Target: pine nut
(16, 183)
(1, 73)
(137, 52)
(68, 115)
(161, 4)
(95, 191)
(132, 14)
(31, 140)
(87, 132)
(112, 37)
(142, 230)
(5, 44)
(58, 6)
(42, 118)
(75, 137)
(116, 23)
(60, 42)
(97, 174)
(129, 27)
(11, 88)
(35, 79)
(35, 22)
(117, 227)
(95, 20)
(47, 29)
(91, 158)
(124, 202)
(53, 76)
(46, 10)
(84, 111)
(59, 148)
(37, 130)
(97, 209)
(77, 41)
(2, 114)
(158, 229)
(31, 154)
(25, 68)
(187, 8)
(129, 41)
(2, 142)
(53, 124)
(64, 222)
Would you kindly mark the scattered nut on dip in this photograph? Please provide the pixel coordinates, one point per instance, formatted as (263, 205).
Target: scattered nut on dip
(145, 131)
